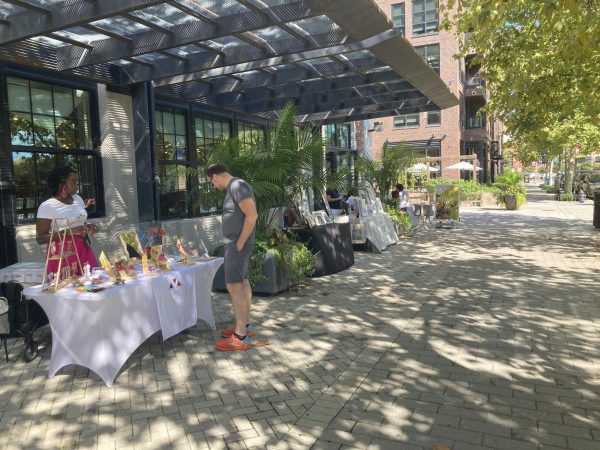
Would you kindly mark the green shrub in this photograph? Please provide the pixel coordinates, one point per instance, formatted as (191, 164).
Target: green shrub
(566, 197)
(401, 219)
(509, 184)
(467, 187)
(296, 260)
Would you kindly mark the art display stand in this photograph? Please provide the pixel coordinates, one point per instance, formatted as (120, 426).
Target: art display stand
(63, 276)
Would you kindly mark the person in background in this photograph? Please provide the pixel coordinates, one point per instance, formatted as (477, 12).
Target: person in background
(64, 203)
(335, 201)
(238, 223)
(400, 194)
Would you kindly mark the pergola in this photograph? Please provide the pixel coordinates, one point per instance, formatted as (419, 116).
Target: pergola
(338, 60)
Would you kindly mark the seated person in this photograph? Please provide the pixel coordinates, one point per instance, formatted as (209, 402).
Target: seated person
(351, 206)
(335, 201)
(400, 194)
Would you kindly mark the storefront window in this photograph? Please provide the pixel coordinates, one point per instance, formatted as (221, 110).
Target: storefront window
(50, 126)
(173, 162)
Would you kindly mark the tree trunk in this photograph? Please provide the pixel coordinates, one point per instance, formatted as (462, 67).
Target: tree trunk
(570, 172)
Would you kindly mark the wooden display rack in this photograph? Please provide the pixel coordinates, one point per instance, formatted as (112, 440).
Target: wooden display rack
(58, 283)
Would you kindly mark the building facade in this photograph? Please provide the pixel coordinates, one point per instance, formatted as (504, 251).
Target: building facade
(448, 134)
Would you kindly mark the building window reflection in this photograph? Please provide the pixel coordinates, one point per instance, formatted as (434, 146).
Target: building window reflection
(50, 126)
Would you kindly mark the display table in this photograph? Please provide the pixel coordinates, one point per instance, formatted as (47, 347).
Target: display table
(379, 231)
(101, 330)
(26, 272)
(332, 243)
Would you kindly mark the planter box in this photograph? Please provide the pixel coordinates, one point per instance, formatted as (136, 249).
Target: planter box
(511, 202)
(489, 199)
(276, 280)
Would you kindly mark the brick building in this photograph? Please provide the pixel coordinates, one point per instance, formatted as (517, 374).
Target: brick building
(451, 132)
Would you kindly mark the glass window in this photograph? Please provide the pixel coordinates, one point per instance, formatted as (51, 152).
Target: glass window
(173, 161)
(434, 118)
(338, 135)
(406, 121)
(425, 16)
(208, 129)
(398, 19)
(250, 134)
(431, 55)
(50, 126)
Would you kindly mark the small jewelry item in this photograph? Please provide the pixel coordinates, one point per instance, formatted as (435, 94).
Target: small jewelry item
(63, 191)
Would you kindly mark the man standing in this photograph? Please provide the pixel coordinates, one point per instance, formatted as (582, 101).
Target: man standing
(238, 222)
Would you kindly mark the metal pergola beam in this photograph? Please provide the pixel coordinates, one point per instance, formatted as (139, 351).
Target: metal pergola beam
(291, 83)
(361, 105)
(341, 117)
(61, 15)
(332, 100)
(164, 76)
(106, 50)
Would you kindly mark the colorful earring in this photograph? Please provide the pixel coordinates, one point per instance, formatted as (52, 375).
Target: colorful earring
(63, 191)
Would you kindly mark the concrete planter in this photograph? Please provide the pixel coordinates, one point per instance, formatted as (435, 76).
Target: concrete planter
(510, 201)
(275, 278)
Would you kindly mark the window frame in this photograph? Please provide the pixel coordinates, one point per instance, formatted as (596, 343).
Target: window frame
(406, 125)
(62, 81)
(425, 23)
(425, 55)
(401, 15)
(435, 124)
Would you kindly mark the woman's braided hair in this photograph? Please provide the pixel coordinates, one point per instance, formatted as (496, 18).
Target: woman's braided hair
(56, 178)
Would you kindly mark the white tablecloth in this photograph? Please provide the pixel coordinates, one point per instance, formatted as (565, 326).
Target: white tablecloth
(380, 231)
(27, 272)
(101, 330)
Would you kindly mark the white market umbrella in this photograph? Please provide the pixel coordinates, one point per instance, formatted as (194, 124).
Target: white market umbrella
(463, 165)
(420, 167)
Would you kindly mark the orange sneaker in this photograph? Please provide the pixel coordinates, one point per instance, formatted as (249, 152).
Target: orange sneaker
(233, 343)
(228, 332)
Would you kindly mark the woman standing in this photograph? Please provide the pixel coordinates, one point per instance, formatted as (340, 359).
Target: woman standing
(64, 203)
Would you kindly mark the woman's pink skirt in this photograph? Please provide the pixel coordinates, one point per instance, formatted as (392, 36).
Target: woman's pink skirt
(86, 255)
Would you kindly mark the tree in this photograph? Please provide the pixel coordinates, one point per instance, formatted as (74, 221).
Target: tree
(541, 61)
(383, 174)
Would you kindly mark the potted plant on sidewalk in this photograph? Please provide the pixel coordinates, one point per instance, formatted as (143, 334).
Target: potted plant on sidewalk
(511, 190)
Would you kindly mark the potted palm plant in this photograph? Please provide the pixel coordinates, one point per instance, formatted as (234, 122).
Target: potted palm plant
(279, 168)
(511, 190)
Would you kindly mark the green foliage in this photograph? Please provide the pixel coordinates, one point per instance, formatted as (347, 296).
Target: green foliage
(384, 173)
(566, 197)
(509, 184)
(467, 187)
(540, 60)
(401, 219)
(279, 168)
(297, 261)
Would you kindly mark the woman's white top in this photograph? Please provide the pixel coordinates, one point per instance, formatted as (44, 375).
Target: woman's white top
(55, 209)
(403, 199)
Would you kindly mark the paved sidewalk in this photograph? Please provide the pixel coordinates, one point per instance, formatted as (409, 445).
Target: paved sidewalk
(485, 336)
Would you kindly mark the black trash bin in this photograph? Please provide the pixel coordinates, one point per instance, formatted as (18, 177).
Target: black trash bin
(597, 209)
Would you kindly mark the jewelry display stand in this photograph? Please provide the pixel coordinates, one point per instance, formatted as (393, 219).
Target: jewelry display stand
(63, 276)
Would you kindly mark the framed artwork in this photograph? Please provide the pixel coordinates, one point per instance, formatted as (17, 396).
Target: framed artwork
(131, 245)
(321, 218)
(446, 202)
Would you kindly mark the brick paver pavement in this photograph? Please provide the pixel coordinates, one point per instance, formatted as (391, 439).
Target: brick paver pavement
(484, 336)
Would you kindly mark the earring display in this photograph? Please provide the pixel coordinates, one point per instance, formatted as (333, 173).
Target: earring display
(59, 249)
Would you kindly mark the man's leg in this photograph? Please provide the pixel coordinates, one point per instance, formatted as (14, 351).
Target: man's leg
(241, 299)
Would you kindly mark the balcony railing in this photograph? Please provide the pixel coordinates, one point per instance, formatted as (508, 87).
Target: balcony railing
(474, 82)
(476, 122)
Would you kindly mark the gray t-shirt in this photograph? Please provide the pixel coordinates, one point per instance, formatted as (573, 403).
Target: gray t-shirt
(233, 217)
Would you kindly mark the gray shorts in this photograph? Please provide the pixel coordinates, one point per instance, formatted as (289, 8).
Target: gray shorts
(237, 263)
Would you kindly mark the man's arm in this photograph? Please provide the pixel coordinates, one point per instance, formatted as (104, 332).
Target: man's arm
(248, 207)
